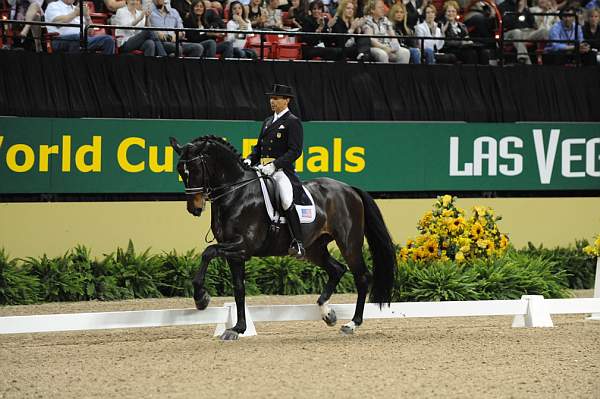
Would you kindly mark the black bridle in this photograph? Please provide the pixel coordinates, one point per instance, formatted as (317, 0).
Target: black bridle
(211, 193)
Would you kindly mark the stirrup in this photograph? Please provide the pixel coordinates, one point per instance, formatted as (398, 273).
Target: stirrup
(296, 249)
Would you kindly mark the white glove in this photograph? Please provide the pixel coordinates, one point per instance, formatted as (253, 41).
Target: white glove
(247, 162)
(269, 169)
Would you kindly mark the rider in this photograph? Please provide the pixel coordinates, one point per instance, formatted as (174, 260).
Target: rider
(279, 145)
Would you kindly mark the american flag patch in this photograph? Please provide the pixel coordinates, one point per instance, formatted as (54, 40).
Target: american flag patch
(306, 212)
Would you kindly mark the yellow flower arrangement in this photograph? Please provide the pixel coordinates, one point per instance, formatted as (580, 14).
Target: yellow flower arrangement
(593, 249)
(446, 233)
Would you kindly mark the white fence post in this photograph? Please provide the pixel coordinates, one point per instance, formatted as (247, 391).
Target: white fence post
(596, 316)
(537, 313)
(232, 319)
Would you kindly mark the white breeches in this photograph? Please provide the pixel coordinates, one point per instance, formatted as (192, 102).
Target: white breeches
(284, 186)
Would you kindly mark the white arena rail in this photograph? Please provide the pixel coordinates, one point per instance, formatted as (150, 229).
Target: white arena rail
(529, 311)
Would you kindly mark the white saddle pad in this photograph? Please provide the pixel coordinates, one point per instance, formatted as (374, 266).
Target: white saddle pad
(306, 213)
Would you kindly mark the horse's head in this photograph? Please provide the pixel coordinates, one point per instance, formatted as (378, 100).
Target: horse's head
(206, 164)
(193, 169)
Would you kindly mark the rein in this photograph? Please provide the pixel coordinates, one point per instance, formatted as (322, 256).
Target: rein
(206, 189)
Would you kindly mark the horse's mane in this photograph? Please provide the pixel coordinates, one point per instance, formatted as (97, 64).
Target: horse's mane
(223, 143)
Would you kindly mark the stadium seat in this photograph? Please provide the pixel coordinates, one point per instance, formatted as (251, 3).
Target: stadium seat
(285, 47)
(253, 42)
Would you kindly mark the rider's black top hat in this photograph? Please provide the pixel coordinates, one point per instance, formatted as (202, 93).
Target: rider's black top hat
(281, 91)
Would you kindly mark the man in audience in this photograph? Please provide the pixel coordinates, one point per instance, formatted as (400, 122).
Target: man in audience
(520, 26)
(164, 16)
(63, 11)
(561, 53)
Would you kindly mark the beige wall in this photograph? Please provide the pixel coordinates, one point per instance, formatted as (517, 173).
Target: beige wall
(31, 229)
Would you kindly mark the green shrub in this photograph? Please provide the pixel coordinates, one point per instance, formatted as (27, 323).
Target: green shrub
(60, 279)
(579, 267)
(179, 272)
(141, 275)
(127, 274)
(17, 286)
(507, 277)
(435, 281)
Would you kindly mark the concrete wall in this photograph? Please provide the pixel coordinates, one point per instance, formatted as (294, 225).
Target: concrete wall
(32, 229)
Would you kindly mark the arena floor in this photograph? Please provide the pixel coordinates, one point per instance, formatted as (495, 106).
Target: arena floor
(412, 358)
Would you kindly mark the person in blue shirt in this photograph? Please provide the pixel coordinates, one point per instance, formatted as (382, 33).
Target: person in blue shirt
(562, 53)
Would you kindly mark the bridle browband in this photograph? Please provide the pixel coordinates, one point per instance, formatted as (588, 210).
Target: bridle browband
(205, 188)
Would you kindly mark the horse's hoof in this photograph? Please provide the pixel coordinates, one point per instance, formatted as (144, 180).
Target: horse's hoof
(330, 319)
(229, 335)
(348, 328)
(203, 301)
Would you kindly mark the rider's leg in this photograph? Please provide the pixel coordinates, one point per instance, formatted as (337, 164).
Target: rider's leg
(286, 194)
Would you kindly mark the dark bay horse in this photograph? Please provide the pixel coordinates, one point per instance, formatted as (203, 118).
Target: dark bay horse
(212, 169)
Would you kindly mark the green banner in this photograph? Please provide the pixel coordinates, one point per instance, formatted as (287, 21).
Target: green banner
(39, 155)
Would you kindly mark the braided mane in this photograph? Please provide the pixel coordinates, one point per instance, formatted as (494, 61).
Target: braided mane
(223, 143)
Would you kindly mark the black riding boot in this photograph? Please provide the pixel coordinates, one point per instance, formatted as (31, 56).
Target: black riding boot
(296, 248)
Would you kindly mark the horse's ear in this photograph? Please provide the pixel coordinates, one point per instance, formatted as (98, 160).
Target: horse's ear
(175, 145)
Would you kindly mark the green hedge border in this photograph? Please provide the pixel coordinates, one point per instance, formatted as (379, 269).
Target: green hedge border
(126, 274)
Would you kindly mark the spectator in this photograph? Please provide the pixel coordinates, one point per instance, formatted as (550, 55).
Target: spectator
(480, 19)
(257, 14)
(463, 48)
(129, 40)
(545, 21)
(520, 26)
(183, 7)
(591, 33)
(114, 5)
(201, 18)
(430, 28)
(30, 10)
(297, 13)
(414, 11)
(397, 15)
(345, 22)
(561, 53)
(273, 16)
(166, 17)
(383, 49)
(239, 21)
(593, 4)
(63, 11)
(318, 46)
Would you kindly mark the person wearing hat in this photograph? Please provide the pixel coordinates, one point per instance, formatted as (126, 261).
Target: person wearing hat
(279, 146)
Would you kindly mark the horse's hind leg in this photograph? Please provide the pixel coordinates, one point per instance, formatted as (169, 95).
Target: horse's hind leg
(353, 255)
(319, 255)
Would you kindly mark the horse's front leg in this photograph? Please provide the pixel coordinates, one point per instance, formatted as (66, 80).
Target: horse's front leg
(238, 272)
(201, 296)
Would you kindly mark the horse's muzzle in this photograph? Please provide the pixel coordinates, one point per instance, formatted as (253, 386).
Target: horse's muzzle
(195, 204)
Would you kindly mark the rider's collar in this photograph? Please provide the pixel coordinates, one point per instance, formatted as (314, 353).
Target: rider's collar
(279, 115)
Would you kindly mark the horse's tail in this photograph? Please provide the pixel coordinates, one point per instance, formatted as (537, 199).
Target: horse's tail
(382, 251)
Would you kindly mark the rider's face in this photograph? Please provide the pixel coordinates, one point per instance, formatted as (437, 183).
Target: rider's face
(278, 103)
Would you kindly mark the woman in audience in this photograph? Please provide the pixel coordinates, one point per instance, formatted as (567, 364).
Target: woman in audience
(201, 18)
(397, 15)
(461, 46)
(318, 46)
(257, 14)
(239, 21)
(30, 10)
(591, 31)
(383, 49)
(273, 16)
(430, 28)
(346, 22)
(297, 14)
(129, 40)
